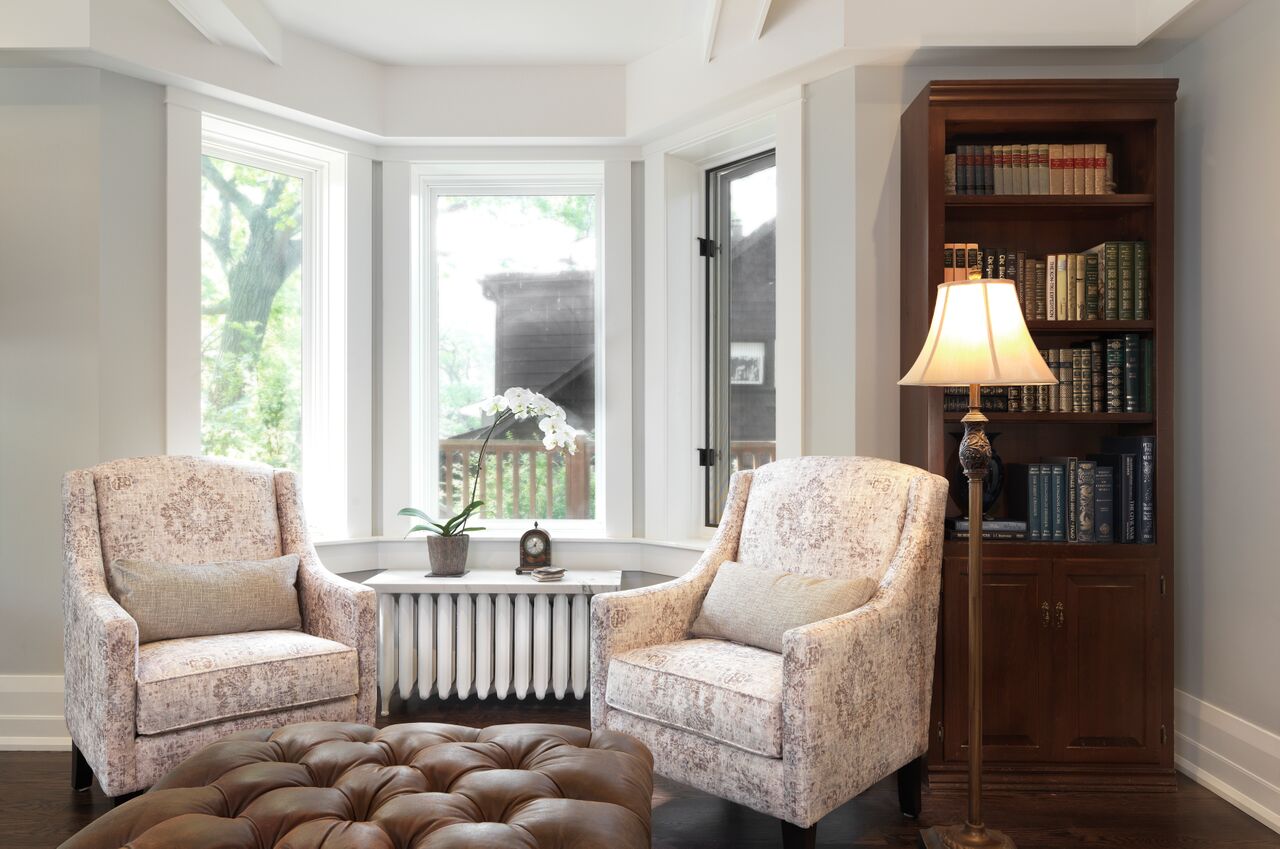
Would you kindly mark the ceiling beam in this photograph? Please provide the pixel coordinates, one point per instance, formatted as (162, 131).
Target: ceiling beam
(709, 32)
(245, 24)
(762, 17)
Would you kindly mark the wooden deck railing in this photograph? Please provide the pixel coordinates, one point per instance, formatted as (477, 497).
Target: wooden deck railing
(521, 480)
(751, 455)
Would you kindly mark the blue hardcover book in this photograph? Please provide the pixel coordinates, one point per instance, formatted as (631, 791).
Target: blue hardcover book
(1124, 528)
(1046, 502)
(1033, 503)
(1059, 474)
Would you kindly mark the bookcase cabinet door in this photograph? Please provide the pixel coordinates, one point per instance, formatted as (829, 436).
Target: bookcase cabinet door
(1016, 601)
(1107, 660)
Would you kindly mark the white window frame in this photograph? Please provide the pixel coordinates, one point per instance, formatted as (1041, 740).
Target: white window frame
(429, 182)
(323, 171)
(675, 301)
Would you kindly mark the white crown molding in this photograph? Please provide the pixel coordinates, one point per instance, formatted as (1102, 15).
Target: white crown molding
(756, 49)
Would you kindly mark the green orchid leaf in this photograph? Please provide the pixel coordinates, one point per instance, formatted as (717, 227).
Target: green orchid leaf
(414, 512)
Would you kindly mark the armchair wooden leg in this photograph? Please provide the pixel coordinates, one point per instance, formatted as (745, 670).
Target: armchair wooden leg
(910, 779)
(795, 837)
(81, 772)
(117, 801)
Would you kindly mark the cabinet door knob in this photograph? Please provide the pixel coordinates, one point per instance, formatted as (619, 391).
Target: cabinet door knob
(1044, 614)
(1062, 614)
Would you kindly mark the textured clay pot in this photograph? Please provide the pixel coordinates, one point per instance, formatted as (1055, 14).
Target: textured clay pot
(448, 554)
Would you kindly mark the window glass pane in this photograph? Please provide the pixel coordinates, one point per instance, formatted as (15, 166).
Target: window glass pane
(251, 306)
(516, 280)
(742, 409)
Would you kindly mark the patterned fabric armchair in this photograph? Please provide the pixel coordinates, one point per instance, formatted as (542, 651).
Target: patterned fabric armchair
(134, 711)
(846, 703)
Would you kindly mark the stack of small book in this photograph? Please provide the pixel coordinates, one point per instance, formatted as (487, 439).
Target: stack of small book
(548, 573)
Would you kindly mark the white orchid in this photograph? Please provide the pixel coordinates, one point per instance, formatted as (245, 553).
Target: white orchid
(541, 405)
(518, 401)
(557, 433)
(493, 406)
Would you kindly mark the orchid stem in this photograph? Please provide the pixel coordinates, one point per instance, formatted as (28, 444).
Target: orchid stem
(475, 482)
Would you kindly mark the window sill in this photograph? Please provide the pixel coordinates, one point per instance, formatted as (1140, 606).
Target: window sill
(498, 550)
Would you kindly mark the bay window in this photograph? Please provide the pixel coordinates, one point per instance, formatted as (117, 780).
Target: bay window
(508, 294)
(742, 205)
(272, 309)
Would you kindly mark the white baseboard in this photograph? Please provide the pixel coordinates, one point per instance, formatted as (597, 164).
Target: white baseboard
(1231, 756)
(31, 713)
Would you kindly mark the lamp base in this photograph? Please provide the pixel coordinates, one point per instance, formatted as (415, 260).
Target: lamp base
(962, 837)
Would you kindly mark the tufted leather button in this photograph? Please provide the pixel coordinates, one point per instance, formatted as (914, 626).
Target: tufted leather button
(420, 785)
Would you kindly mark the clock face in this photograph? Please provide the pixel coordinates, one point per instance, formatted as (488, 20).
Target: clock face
(534, 546)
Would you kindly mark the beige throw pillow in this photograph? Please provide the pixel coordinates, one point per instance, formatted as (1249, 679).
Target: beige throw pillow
(193, 600)
(748, 604)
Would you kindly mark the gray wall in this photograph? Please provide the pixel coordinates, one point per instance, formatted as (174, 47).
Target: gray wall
(81, 317)
(1228, 571)
(1228, 588)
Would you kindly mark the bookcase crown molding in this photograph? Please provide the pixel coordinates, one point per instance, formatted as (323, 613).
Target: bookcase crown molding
(1042, 91)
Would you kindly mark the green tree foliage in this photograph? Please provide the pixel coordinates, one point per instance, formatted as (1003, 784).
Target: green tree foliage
(251, 300)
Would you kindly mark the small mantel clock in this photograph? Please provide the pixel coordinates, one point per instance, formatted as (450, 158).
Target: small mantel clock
(535, 550)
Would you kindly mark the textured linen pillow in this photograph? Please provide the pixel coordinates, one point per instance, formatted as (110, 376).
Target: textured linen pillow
(748, 604)
(169, 600)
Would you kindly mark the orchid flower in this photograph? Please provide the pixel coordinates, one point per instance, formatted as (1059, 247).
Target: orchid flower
(516, 403)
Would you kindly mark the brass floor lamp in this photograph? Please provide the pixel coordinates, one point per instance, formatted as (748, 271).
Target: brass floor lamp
(977, 338)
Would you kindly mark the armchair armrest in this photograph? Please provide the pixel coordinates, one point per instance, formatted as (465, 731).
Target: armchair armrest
(100, 646)
(857, 687)
(663, 613)
(332, 607)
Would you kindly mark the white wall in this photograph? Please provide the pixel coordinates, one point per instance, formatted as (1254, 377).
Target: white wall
(830, 257)
(81, 336)
(1228, 584)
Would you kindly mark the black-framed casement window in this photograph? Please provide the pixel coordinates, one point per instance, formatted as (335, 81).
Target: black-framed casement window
(742, 203)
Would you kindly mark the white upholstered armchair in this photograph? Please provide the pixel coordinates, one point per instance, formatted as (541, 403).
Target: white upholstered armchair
(134, 711)
(846, 703)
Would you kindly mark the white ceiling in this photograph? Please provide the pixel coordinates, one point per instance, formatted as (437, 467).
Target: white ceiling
(493, 32)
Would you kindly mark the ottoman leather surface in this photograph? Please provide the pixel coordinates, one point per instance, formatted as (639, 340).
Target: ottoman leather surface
(412, 786)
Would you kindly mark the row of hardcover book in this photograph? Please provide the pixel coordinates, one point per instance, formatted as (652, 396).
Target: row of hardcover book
(1107, 375)
(1105, 497)
(1108, 282)
(1108, 497)
(1029, 169)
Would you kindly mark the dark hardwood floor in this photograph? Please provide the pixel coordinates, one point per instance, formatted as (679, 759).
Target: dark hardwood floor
(38, 808)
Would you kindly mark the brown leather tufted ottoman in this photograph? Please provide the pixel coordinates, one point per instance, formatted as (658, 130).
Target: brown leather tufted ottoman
(412, 786)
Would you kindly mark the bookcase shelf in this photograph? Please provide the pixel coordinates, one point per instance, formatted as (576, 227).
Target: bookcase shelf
(1076, 328)
(1079, 642)
(1025, 548)
(1060, 418)
(1002, 201)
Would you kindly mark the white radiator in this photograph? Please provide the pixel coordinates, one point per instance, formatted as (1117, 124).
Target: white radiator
(472, 642)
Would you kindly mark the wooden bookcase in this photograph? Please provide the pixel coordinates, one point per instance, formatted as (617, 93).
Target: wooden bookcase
(1078, 658)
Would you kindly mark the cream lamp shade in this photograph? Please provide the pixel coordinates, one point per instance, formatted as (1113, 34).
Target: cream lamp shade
(978, 337)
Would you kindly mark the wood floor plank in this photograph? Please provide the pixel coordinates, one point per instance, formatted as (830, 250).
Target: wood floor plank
(38, 808)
